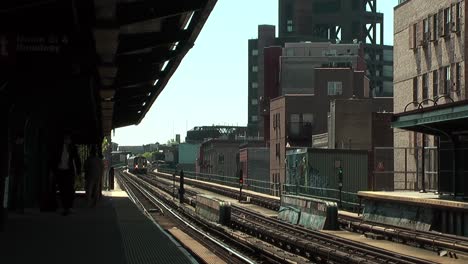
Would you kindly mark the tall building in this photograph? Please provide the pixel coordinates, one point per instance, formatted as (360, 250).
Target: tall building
(266, 38)
(296, 117)
(430, 69)
(342, 21)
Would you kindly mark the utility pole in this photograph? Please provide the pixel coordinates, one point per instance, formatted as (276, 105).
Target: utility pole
(181, 187)
(241, 183)
(340, 183)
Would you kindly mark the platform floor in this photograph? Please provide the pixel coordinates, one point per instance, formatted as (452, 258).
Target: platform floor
(115, 231)
(429, 199)
(400, 248)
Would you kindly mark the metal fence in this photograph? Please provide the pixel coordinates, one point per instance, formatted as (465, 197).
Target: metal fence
(249, 184)
(404, 168)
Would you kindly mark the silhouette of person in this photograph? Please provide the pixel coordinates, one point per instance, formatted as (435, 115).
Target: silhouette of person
(93, 173)
(68, 165)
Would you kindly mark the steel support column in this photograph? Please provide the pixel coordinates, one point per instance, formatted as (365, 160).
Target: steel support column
(4, 157)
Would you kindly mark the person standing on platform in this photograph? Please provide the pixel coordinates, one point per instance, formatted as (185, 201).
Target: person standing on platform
(93, 174)
(111, 178)
(68, 166)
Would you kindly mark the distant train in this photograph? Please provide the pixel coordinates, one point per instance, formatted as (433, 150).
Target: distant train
(137, 164)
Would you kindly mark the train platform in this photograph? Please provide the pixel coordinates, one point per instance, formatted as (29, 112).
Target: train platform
(115, 231)
(418, 211)
(400, 248)
(428, 199)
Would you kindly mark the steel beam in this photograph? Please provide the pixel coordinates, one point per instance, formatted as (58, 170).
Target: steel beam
(140, 41)
(133, 12)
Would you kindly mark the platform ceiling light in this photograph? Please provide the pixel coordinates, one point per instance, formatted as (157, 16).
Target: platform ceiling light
(155, 82)
(139, 111)
(149, 94)
(188, 22)
(143, 104)
(164, 65)
(174, 47)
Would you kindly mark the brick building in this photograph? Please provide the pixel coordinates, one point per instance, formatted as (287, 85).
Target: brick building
(342, 21)
(429, 70)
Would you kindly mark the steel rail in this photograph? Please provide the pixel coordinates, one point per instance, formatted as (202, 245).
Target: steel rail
(444, 241)
(188, 224)
(330, 239)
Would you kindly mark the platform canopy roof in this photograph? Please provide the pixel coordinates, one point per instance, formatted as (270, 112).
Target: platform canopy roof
(97, 64)
(449, 119)
(140, 45)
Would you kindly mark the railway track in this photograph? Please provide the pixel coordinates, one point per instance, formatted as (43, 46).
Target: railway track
(213, 237)
(148, 202)
(316, 246)
(429, 240)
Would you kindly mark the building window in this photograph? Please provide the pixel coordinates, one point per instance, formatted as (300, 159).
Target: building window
(254, 101)
(425, 87)
(387, 71)
(458, 13)
(254, 68)
(277, 148)
(289, 26)
(447, 21)
(276, 121)
(415, 89)
(435, 27)
(221, 159)
(254, 118)
(435, 83)
(255, 52)
(254, 85)
(335, 88)
(426, 32)
(457, 77)
(448, 79)
(388, 55)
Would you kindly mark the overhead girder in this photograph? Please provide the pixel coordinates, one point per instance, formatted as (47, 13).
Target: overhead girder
(125, 79)
(134, 80)
(133, 12)
(137, 90)
(146, 58)
(139, 41)
(135, 85)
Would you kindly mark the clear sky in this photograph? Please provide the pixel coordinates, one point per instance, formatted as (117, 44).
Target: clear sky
(210, 85)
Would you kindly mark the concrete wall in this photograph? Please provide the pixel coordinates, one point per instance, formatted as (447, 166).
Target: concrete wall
(277, 141)
(220, 156)
(353, 123)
